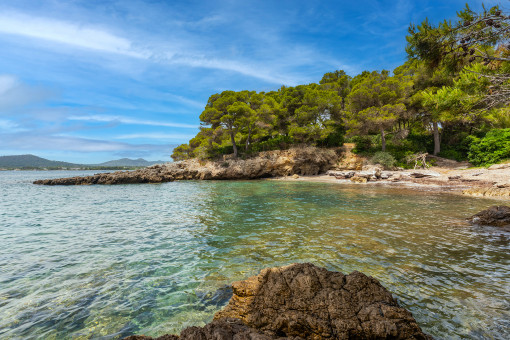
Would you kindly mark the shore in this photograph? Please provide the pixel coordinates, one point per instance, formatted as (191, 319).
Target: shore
(491, 182)
(337, 165)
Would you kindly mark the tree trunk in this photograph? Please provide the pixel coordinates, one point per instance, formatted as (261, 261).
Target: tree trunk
(248, 139)
(437, 141)
(383, 140)
(234, 145)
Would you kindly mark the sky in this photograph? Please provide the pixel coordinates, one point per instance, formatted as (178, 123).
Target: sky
(87, 81)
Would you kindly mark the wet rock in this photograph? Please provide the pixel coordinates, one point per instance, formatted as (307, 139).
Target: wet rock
(488, 191)
(497, 216)
(314, 303)
(302, 301)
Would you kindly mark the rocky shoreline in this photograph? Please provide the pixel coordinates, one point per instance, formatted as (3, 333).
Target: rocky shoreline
(300, 161)
(303, 301)
(315, 164)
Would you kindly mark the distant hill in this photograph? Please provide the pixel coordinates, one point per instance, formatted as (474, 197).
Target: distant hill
(130, 162)
(31, 161)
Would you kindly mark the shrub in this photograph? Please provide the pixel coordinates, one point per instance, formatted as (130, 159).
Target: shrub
(363, 144)
(279, 142)
(385, 159)
(492, 148)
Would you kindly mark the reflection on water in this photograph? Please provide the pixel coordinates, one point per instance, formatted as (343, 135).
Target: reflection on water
(90, 261)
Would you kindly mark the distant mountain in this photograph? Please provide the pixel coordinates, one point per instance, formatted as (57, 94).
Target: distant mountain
(130, 162)
(31, 161)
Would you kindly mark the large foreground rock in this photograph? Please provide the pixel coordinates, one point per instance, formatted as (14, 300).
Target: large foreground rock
(299, 161)
(302, 301)
(497, 216)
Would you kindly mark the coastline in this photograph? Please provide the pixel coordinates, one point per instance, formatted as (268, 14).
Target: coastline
(337, 165)
(486, 183)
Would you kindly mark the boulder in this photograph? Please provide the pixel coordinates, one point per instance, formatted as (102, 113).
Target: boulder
(216, 330)
(302, 301)
(359, 179)
(497, 216)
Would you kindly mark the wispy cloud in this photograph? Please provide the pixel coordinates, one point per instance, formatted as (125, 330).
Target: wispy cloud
(134, 121)
(27, 141)
(9, 125)
(157, 136)
(181, 52)
(67, 33)
(14, 94)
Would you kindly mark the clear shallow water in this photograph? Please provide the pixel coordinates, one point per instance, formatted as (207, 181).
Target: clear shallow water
(104, 262)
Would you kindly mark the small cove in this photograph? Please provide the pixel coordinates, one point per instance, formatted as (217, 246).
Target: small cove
(109, 261)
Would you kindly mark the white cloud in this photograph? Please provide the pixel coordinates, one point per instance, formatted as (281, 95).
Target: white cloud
(7, 83)
(14, 94)
(7, 125)
(66, 33)
(101, 40)
(27, 141)
(158, 136)
(127, 120)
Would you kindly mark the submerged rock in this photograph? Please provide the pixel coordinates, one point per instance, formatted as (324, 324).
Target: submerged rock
(497, 216)
(302, 301)
(298, 161)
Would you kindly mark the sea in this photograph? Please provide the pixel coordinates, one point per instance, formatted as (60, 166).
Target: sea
(105, 262)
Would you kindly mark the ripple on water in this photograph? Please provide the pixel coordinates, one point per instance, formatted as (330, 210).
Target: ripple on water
(109, 261)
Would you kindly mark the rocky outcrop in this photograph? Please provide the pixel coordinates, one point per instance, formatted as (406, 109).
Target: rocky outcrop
(497, 191)
(224, 329)
(152, 174)
(497, 216)
(302, 301)
(297, 161)
(349, 160)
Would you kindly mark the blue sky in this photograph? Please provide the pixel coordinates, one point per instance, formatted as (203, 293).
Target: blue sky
(88, 81)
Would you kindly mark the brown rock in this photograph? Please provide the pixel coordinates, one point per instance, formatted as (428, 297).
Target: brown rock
(498, 216)
(485, 191)
(313, 303)
(359, 179)
(298, 161)
(302, 301)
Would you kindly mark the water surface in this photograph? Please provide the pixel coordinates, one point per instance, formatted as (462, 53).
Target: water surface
(88, 262)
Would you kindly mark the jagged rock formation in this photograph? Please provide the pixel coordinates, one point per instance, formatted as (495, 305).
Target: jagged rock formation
(300, 161)
(497, 216)
(302, 301)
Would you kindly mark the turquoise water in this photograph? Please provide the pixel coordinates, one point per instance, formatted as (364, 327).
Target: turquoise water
(88, 262)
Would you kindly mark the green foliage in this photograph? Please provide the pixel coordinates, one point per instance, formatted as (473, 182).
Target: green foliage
(182, 152)
(277, 143)
(363, 144)
(452, 87)
(492, 148)
(385, 159)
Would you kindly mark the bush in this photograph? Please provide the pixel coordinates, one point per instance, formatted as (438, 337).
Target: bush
(277, 143)
(492, 148)
(363, 144)
(385, 159)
